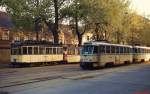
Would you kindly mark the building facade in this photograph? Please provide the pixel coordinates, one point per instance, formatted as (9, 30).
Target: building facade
(5, 25)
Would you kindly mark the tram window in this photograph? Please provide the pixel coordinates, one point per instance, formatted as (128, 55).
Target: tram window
(102, 49)
(42, 50)
(128, 50)
(14, 51)
(121, 49)
(29, 50)
(141, 50)
(138, 50)
(59, 50)
(95, 50)
(68, 51)
(117, 49)
(87, 49)
(125, 49)
(107, 49)
(112, 49)
(135, 50)
(35, 50)
(50, 50)
(54, 51)
(24, 50)
(47, 50)
(145, 51)
(19, 51)
(73, 51)
(77, 51)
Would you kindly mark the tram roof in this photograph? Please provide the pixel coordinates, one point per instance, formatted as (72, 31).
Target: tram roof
(33, 43)
(143, 47)
(104, 43)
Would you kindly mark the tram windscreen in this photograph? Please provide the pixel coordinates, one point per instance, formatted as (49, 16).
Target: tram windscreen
(87, 49)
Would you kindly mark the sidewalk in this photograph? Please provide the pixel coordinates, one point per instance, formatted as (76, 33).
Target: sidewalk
(4, 65)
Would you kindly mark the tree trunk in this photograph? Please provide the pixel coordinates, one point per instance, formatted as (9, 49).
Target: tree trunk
(96, 31)
(77, 28)
(55, 30)
(56, 37)
(37, 36)
(79, 40)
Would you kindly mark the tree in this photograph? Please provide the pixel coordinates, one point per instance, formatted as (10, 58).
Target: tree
(77, 14)
(103, 16)
(26, 13)
(108, 15)
(53, 26)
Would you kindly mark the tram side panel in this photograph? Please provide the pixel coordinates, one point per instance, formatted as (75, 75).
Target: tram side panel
(36, 58)
(141, 54)
(73, 55)
(102, 55)
(115, 59)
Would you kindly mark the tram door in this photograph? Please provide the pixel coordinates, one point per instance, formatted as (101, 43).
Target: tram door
(96, 53)
(65, 54)
(117, 56)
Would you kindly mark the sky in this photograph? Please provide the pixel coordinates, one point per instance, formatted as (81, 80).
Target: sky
(141, 6)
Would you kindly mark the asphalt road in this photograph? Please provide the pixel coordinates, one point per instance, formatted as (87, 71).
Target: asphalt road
(70, 79)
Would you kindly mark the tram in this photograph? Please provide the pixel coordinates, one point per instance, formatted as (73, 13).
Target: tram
(141, 54)
(34, 52)
(100, 54)
(72, 54)
(30, 53)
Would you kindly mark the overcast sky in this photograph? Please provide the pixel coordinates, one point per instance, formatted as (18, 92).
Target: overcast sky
(141, 6)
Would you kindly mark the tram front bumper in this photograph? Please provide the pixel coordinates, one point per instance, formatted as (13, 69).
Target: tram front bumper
(88, 64)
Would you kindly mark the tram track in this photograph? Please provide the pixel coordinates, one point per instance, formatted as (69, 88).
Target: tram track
(76, 75)
(31, 81)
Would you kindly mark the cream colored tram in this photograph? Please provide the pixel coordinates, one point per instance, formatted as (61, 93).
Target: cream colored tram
(72, 54)
(99, 54)
(36, 53)
(141, 54)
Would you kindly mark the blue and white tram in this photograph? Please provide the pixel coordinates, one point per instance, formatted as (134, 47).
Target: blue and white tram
(99, 54)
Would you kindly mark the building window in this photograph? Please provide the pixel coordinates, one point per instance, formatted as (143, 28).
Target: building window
(5, 36)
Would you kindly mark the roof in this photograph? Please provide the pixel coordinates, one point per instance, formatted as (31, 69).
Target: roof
(142, 47)
(104, 43)
(5, 20)
(33, 43)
